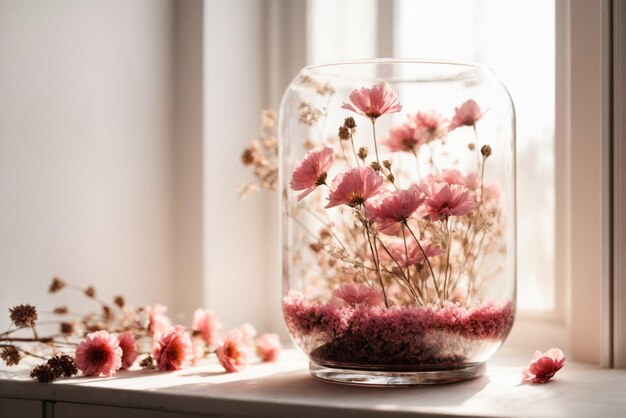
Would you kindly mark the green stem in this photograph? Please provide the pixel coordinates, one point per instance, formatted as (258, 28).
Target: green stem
(430, 267)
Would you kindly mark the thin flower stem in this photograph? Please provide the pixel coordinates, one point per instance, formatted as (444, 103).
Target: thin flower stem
(477, 148)
(406, 277)
(417, 165)
(375, 142)
(356, 156)
(432, 272)
(406, 251)
(482, 181)
(448, 244)
(327, 225)
(376, 262)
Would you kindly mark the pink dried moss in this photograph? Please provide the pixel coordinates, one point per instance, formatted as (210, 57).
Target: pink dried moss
(396, 336)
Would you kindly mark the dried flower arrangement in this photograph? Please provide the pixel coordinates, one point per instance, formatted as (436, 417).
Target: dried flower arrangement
(404, 252)
(120, 335)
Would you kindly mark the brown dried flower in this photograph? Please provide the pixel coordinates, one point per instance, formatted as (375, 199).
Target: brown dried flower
(362, 153)
(375, 166)
(471, 146)
(90, 292)
(309, 115)
(268, 118)
(344, 133)
(67, 328)
(485, 150)
(349, 123)
(63, 365)
(60, 310)
(56, 285)
(316, 247)
(119, 301)
(43, 373)
(23, 315)
(249, 156)
(147, 363)
(107, 313)
(387, 164)
(11, 356)
(391, 177)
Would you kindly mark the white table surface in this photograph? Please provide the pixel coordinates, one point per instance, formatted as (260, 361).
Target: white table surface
(285, 389)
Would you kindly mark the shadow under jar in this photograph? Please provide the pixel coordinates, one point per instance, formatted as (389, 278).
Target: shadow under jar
(398, 219)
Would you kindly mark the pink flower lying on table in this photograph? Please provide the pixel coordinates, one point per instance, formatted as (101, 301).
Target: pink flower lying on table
(205, 324)
(357, 294)
(466, 115)
(99, 354)
(128, 345)
(373, 102)
(312, 171)
(173, 351)
(543, 366)
(354, 187)
(231, 352)
(268, 347)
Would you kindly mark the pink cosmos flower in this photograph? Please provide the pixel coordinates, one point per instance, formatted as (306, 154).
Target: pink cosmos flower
(173, 350)
(467, 115)
(312, 171)
(98, 354)
(403, 138)
(543, 366)
(207, 325)
(471, 180)
(159, 322)
(411, 255)
(356, 294)
(430, 125)
(248, 332)
(268, 347)
(444, 200)
(128, 345)
(354, 187)
(231, 352)
(394, 207)
(373, 102)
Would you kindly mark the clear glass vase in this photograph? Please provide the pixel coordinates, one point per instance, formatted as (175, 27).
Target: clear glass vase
(398, 219)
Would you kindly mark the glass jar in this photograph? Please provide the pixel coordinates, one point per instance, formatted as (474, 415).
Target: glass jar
(398, 219)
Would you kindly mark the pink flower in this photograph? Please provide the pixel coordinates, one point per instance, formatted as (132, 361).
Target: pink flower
(128, 345)
(231, 352)
(394, 207)
(444, 200)
(373, 102)
(173, 350)
(206, 324)
(467, 115)
(403, 138)
(356, 294)
(354, 187)
(431, 126)
(159, 322)
(543, 366)
(471, 180)
(412, 254)
(99, 354)
(312, 171)
(248, 332)
(268, 347)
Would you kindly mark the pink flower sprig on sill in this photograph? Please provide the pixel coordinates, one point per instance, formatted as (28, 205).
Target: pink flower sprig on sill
(354, 187)
(544, 366)
(312, 171)
(232, 352)
(128, 345)
(206, 325)
(466, 115)
(99, 354)
(373, 102)
(173, 351)
(268, 347)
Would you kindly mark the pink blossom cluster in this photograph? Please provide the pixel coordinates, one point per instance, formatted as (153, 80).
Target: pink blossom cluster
(172, 348)
(369, 334)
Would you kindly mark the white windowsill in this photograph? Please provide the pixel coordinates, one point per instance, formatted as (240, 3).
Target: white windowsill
(285, 389)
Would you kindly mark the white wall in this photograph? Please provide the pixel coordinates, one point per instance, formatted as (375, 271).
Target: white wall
(85, 164)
